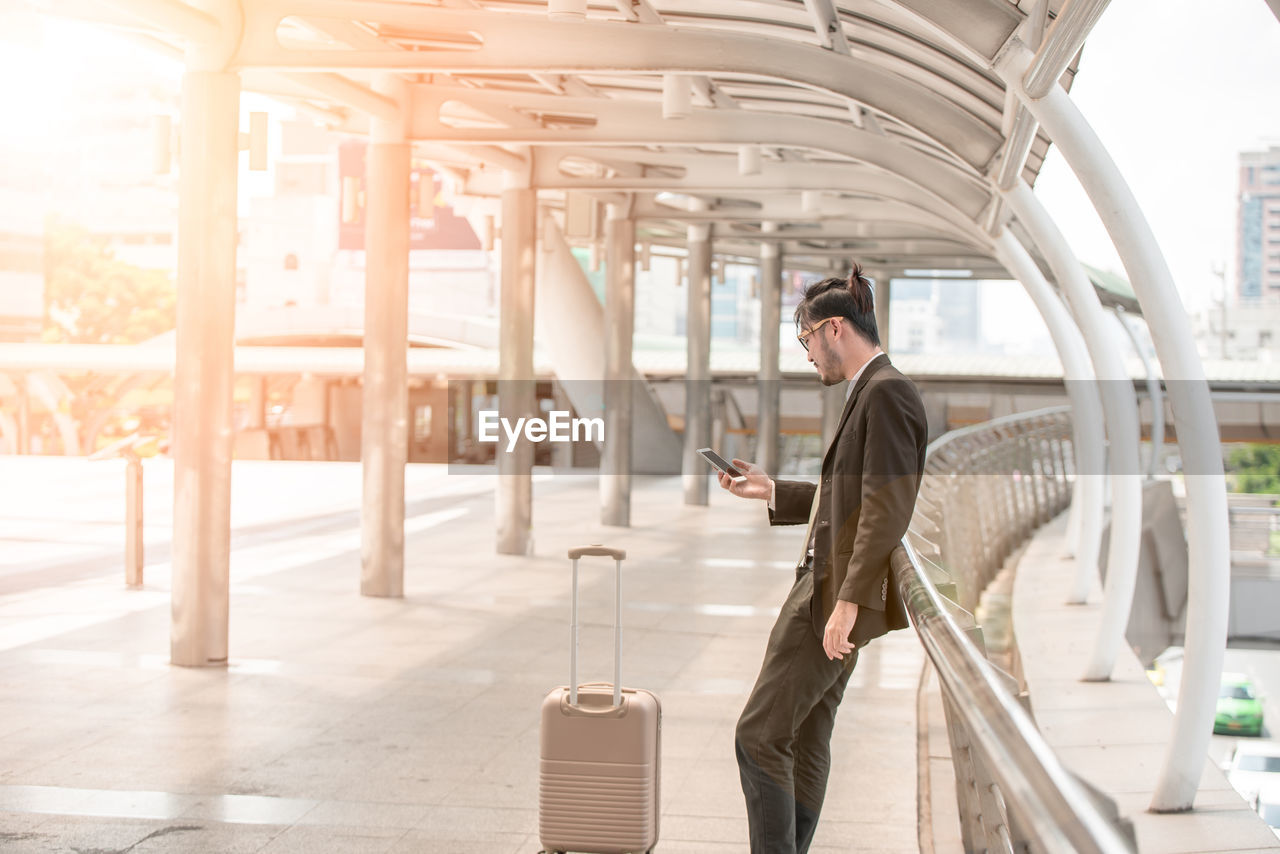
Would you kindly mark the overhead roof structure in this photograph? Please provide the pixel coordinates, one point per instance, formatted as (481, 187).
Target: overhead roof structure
(891, 132)
(868, 130)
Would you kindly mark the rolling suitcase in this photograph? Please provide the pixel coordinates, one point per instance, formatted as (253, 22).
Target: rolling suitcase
(598, 786)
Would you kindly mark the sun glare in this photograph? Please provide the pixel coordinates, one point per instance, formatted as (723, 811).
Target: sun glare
(45, 62)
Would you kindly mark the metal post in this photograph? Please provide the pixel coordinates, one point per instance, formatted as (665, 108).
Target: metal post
(619, 327)
(769, 395)
(562, 452)
(1086, 407)
(384, 432)
(719, 423)
(1208, 543)
(468, 417)
(1066, 35)
(133, 559)
(1120, 409)
(516, 389)
(203, 379)
(697, 385)
(968, 804)
(573, 639)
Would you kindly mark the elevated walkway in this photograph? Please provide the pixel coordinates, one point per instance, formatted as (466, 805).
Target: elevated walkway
(350, 724)
(1113, 734)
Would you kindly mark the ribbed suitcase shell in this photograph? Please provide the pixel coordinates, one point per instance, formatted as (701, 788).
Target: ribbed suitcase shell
(598, 780)
(598, 788)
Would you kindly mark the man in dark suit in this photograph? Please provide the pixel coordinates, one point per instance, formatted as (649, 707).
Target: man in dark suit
(843, 596)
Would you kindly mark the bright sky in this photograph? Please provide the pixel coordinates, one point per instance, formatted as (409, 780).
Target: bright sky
(1175, 88)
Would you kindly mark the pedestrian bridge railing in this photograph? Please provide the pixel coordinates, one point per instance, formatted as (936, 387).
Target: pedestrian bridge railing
(986, 489)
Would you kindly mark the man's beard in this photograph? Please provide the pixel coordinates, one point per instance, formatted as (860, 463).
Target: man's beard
(828, 377)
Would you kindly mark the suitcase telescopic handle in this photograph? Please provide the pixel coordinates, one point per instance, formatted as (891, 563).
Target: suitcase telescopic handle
(618, 556)
(596, 549)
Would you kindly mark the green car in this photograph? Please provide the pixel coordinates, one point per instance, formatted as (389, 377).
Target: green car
(1239, 709)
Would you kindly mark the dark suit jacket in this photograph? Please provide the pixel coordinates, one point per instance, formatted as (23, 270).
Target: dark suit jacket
(870, 476)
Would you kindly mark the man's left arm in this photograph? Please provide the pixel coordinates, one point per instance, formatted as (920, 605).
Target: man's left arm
(890, 479)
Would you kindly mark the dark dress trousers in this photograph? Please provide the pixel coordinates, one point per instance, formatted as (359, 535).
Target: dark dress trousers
(857, 514)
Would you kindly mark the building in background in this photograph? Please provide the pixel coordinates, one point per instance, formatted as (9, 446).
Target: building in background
(1245, 325)
(103, 180)
(303, 244)
(1258, 227)
(94, 176)
(914, 325)
(960, 313)
(1244, 331)
(936, 316)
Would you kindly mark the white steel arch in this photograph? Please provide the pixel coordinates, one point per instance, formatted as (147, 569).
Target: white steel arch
(1207, 528)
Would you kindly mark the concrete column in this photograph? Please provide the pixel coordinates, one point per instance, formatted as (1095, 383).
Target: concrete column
(561, 452)
(719, 423)
(257, 403)
(469, 411)
(384, 436)
(23, 438)
(769, 396)
(203, 380)
(464, 428)
(310, 401)
(697, 385)
(516, 392)
(619, 327)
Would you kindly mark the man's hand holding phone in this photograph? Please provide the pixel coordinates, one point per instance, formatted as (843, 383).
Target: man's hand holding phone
(755, 482)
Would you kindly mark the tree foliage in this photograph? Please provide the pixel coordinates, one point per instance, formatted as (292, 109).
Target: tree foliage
(92, 297)
(1256, 468)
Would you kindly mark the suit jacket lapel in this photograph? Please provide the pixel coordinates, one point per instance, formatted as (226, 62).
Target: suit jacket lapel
(876, 363)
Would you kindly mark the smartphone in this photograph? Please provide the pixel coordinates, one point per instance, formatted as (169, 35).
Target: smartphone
(719, 462)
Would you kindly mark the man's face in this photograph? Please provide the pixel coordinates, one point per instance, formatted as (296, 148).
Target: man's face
(823, 356)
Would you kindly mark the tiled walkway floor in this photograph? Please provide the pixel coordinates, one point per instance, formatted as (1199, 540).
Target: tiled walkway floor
(349, 724)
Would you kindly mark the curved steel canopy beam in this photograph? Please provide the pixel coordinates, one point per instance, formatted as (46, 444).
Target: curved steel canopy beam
(839, 220)
(609, 122)
(531, 44)
(640, 170)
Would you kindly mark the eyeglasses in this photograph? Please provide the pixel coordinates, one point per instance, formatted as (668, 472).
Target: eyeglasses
(803, 337)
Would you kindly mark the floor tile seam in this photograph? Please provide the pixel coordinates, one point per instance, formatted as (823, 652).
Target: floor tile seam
(54, 817)
(194, 802)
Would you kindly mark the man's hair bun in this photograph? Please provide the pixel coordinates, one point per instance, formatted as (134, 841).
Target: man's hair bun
(851, 298)
(860, 288)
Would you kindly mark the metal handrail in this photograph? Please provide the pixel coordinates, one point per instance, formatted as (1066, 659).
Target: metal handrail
(1014, 792)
